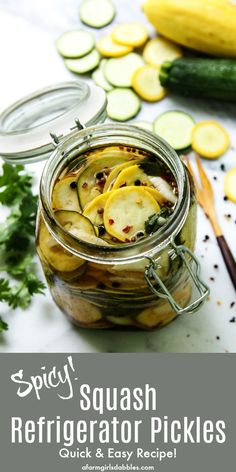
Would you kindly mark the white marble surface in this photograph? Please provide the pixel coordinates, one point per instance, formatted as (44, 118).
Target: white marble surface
(28, 30)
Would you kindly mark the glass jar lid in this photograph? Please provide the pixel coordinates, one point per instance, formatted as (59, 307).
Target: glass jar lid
(30, 127)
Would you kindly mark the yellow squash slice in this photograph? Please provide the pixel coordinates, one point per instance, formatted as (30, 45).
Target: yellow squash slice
(88, 183)
(230, 184)
(132, 175)
(64, 196)
(130, 34)
(108, 48)
(210, 139)
(126, 211)
(146, 84)
(60, 259)
(95, 209)
(156, 195)
(114, 174)
(159, 50)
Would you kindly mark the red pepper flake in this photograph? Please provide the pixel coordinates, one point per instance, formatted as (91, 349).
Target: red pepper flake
(111, 221)
(101, 183)
(127, 240)
(127, 229)
(133, 239)
(123, 185)
(84, 185)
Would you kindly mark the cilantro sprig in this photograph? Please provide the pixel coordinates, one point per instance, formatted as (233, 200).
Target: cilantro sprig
(18, 279)
(155, 221)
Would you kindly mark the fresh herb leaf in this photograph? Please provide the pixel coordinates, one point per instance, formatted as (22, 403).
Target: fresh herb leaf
(153, 223)
(17, 247)
(3, 325)
(152, 167)
(15, 184)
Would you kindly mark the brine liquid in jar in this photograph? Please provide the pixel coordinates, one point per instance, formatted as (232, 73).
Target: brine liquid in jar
(113, 197)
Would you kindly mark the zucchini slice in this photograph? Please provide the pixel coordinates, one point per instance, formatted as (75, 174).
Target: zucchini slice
(119, 71)
(99, 77)
(60, 259)
(146, 83)
(176, 128)
(74, 44)
(133, 175)
(79, 226)
(126, 211)
(210, 139)
(230, 184)
(64, 196)
(92, 179)
(114, 174)
(108, 48)
(123, 104)
(130, 34)
(159, 50)
(97, 13)
(75, 223)
(84, 64)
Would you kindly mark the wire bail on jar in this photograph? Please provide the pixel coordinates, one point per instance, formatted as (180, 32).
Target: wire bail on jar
(193, 267)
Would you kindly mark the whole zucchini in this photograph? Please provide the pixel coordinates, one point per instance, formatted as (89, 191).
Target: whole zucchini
(205, 25)
(201, 77)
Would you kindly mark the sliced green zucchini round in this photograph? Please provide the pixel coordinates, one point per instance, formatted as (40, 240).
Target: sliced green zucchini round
(119, 71)
(99, 77)
(75, 224)
(75, 43)
(123, 104)
(175, 127)
(64, 195)
(84, 64)
(97, 13)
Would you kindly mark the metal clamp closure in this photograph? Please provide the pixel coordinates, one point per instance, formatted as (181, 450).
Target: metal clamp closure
(57, 139)
(193, 267)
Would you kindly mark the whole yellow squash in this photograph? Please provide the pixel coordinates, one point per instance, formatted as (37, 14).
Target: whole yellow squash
(205, 25)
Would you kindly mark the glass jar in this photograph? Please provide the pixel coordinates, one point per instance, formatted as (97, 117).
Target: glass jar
(144, 285)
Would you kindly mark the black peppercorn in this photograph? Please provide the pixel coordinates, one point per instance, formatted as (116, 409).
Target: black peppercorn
(101, 230)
